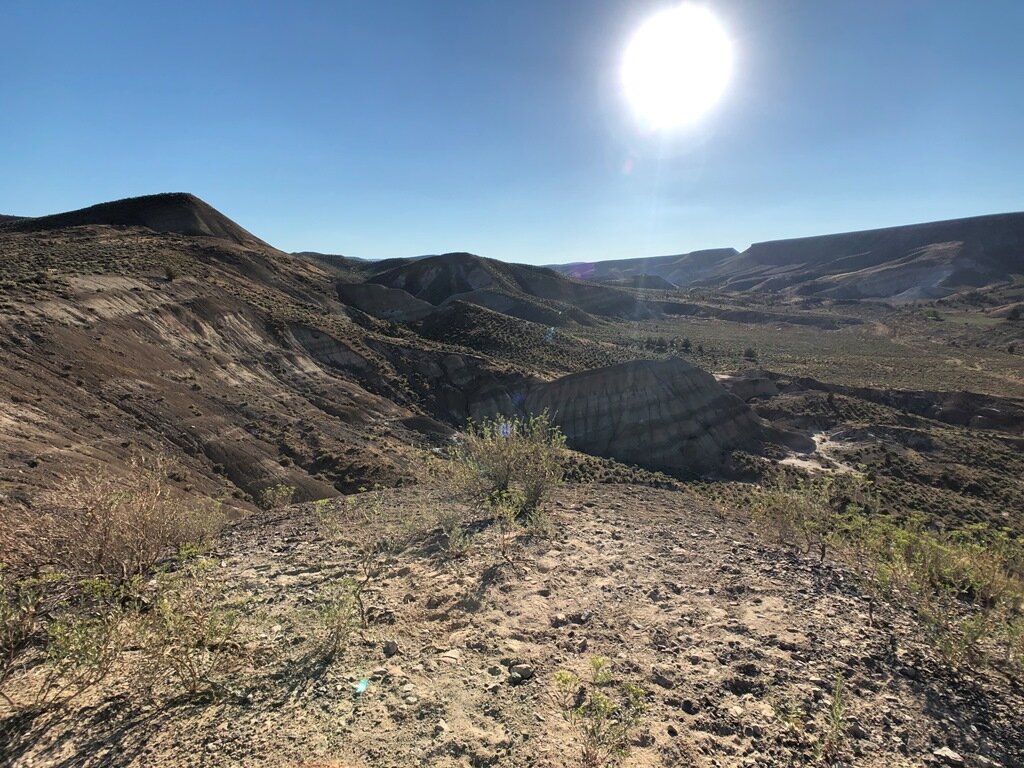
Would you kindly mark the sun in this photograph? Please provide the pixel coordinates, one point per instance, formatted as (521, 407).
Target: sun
(676, 66)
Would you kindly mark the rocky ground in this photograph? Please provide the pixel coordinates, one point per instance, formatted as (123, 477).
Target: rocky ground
(736, 643)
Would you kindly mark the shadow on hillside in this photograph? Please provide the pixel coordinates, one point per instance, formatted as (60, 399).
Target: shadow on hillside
(114, 732)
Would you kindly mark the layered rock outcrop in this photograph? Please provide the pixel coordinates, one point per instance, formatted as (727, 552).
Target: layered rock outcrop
(662, 414)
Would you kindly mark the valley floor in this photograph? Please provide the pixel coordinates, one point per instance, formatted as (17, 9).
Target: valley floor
(736, 643)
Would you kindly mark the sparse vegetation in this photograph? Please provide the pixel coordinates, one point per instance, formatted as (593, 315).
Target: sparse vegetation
(190, 636)
(377, 535)
(603, 714)
(107, 524)
(967, 583)
(503, 455)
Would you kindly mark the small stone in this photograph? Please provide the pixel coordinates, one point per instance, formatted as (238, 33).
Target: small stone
(672, 731)
(690, 707)
(441, 726)
(948, 756)
(857, 730)
(411, 699)
(390, 648)
(525, 671)
(663, 677)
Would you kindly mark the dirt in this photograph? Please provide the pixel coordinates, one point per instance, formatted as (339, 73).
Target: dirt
(821, 459)
(725, 633)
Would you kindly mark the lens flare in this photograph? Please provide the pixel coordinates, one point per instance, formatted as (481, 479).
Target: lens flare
(676, 66)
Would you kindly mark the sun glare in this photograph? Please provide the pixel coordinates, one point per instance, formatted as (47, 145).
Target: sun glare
(676, 66)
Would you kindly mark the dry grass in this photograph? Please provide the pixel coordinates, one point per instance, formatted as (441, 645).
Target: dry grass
(105, 524)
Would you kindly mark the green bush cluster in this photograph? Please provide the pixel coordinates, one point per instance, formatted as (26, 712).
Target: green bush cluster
(180, 626)
(509, 460)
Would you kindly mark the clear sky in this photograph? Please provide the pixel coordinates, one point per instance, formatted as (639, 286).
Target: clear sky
(383, 128)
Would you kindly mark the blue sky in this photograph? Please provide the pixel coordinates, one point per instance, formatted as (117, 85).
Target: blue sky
(389, 128)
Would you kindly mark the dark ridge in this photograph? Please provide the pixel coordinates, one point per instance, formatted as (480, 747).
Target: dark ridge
(539, 294)
(904, 263)
(177, 212)
(1001, 236)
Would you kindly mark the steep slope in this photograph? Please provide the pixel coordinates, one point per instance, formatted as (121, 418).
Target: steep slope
(531, 293)
(235, 359)
(918, 261)
(662, 414)
(176, 212)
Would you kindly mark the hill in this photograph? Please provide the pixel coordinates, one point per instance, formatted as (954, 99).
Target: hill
(642, 282)
(176, 212)
(919, 261)
(680, 269)
(159, 325)
(161, 366)
(531, 293)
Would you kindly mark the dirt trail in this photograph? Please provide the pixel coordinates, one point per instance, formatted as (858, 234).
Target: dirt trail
(724, 632)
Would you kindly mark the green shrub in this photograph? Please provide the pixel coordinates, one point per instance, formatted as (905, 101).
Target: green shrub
(79, 647)
(604, 715)
(457, 538)
(190, 635)
(339, 613)
(798, 514)
(276, 496)
(833, 737)
(503, 455)
(81, 652)
(377, 534)
(20, 604)
(504, 509)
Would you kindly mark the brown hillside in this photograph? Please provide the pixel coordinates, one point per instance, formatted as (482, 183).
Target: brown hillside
(177, 212)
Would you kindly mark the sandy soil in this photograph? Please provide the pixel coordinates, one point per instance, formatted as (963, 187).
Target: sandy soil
(724, 632)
